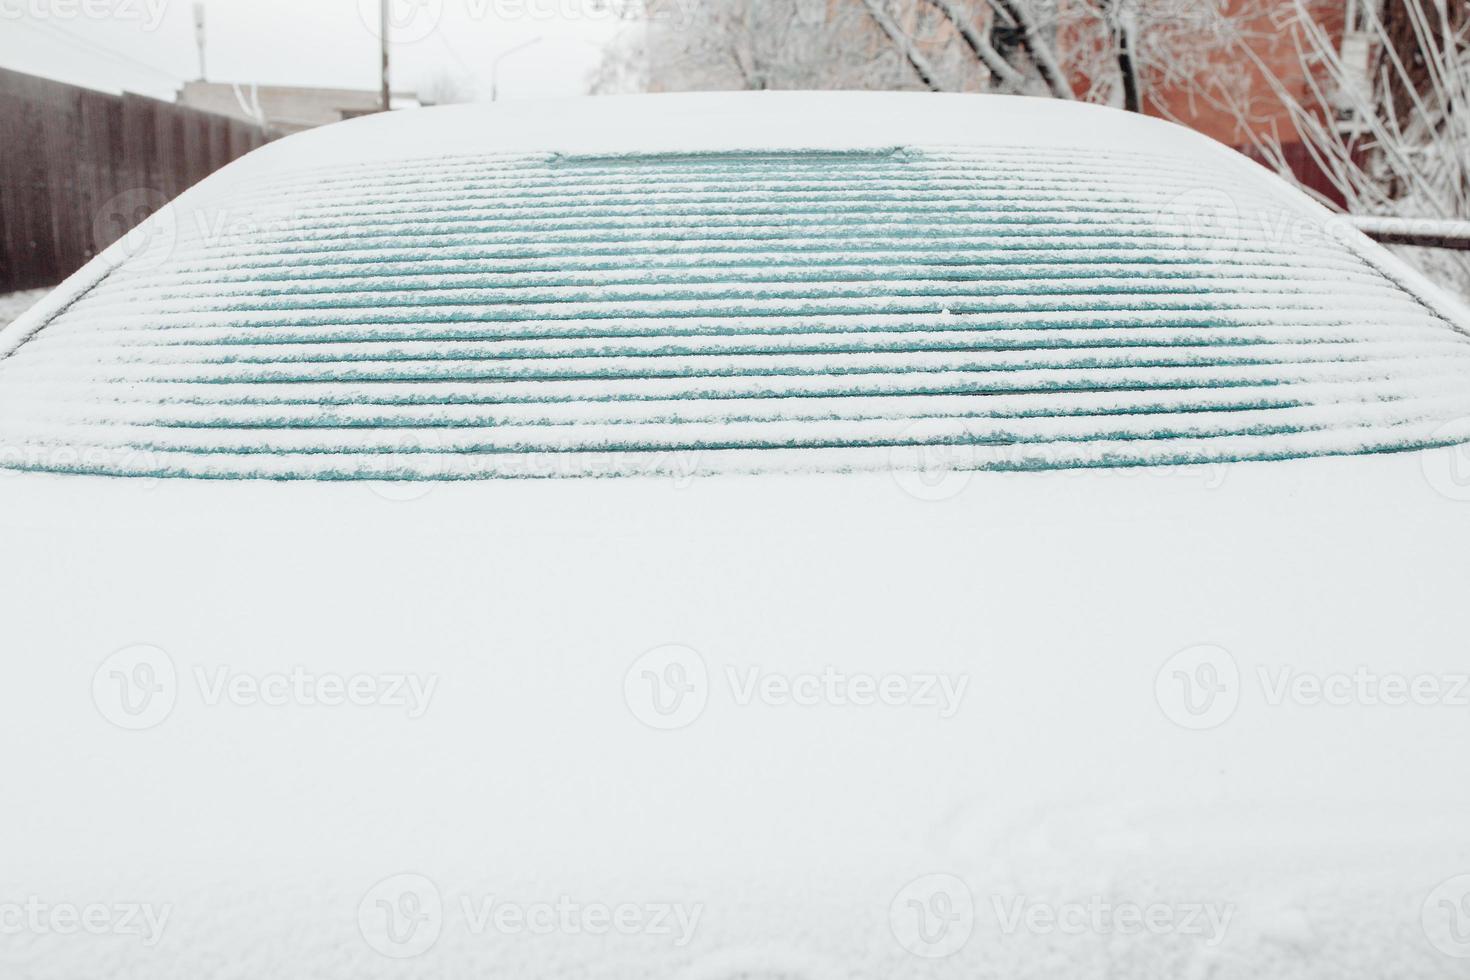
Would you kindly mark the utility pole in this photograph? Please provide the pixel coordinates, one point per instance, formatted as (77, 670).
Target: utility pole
(199, 38)
(383, 35)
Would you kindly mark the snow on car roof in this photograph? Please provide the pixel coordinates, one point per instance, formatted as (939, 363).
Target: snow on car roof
(751, 283)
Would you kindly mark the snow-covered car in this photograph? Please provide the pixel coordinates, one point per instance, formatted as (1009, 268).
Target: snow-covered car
(1034, 546)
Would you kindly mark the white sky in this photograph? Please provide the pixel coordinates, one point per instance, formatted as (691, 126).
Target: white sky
(148, 46)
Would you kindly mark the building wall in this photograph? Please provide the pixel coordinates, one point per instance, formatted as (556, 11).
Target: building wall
(1250, 85)
(285, 108)
(1213, 88)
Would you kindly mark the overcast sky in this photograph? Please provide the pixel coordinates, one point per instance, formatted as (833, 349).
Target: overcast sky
(148, 46)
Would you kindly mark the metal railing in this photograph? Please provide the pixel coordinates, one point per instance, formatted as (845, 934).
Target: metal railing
(1426, 232)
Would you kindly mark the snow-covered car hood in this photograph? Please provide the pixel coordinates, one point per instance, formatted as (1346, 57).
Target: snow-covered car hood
(1197, 719)
(1049, 738)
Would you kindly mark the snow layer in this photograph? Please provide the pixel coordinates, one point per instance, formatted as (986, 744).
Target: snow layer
(12, 305)
(1326, 830)
(730, 283)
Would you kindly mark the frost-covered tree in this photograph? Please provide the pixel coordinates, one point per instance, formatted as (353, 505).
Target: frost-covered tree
(1387, 116)
(1108, 51)
(444, 87)
(715, 45)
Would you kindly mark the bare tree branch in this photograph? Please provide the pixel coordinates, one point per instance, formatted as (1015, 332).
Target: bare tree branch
(1037, 49)
(904, 44)
(1120, 28)
(1000, 69)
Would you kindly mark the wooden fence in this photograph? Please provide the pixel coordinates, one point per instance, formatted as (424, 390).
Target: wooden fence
(79, 169)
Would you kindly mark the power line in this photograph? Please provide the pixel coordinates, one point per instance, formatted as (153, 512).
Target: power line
(444, 38)
(66, 35)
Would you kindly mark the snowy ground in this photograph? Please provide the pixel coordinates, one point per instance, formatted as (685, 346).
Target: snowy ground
(286, 837)
(12, 305)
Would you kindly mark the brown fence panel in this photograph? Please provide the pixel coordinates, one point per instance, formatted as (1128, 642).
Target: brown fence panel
(139, 162)
(103, 123)
(79, 168)
(196, 148)
(30, 255)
